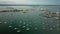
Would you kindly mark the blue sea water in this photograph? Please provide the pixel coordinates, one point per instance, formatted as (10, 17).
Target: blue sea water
(30, 22)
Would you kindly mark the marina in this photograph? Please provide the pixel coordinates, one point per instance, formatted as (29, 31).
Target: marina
(31, 21)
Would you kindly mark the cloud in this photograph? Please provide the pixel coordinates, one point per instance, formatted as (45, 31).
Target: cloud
(15, 2)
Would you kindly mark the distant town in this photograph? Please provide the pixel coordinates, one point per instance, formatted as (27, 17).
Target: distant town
(25, 5)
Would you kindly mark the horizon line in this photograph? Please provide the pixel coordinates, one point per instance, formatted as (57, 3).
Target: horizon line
(26, 5)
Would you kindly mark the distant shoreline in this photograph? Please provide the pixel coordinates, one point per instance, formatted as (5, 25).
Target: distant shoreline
(29, 5)
(24, 5)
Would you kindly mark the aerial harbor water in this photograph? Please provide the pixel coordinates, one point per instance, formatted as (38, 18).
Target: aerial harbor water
(28, 20)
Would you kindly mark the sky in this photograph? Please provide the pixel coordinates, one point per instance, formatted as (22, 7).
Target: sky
(35, 2)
